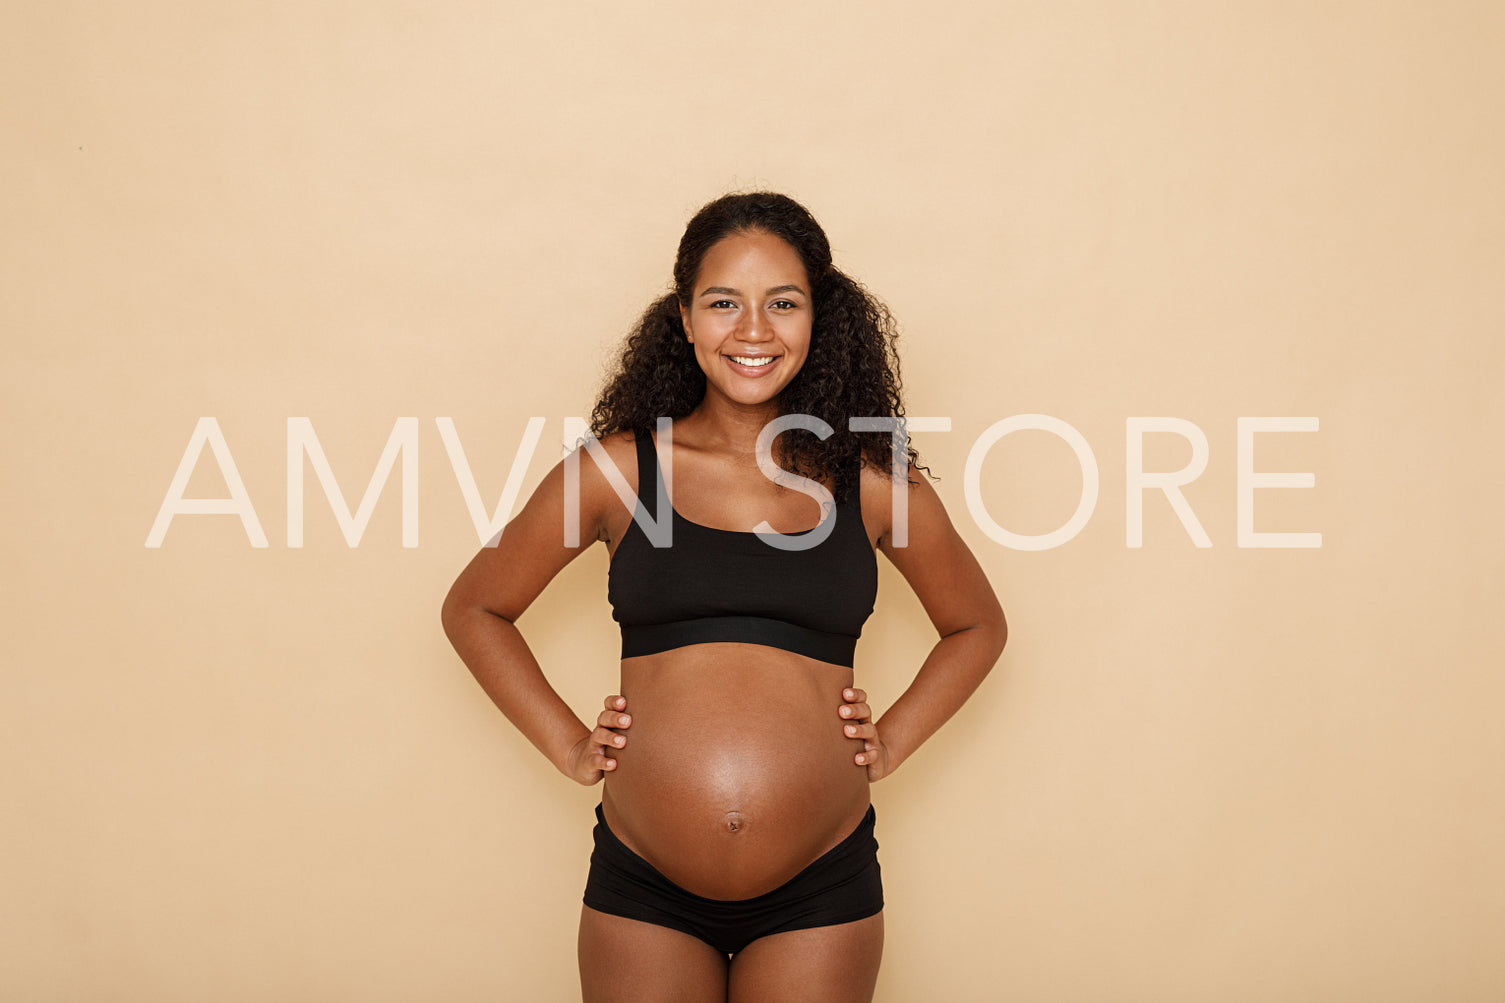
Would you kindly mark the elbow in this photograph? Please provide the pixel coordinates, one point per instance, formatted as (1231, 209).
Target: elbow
(452, 613)
(985, 638)
(462, 613)
(998, 630)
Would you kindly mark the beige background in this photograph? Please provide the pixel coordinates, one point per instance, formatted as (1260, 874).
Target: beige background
(1231, 774)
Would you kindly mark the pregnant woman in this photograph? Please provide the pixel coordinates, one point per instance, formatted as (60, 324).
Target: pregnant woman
(735, 856)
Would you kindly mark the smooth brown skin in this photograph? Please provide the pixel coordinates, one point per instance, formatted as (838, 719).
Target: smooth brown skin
(737, 776)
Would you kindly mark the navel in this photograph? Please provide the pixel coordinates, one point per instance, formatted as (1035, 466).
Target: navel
(734, 822)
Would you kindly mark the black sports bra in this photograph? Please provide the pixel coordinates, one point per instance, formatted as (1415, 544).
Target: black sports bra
(722, 585)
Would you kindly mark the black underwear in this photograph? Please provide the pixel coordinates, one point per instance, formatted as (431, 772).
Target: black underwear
(840, 886)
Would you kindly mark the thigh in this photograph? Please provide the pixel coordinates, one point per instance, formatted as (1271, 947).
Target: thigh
(833, 964)
(626, 960)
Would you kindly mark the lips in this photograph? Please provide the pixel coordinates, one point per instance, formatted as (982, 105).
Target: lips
(752, 365)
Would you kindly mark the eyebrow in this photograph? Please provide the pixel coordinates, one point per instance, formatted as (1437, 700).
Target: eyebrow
(728, 291)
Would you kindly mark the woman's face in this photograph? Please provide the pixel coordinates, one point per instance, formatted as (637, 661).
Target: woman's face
(750, 317)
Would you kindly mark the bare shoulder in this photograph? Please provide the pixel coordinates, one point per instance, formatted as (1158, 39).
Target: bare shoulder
(578, 482)
(880, 488)
(923, 545)
(602, 461)
(621, 447)
(877, 491)
(573, 507)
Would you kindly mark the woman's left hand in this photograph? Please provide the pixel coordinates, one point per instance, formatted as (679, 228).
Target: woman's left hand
(859, 724)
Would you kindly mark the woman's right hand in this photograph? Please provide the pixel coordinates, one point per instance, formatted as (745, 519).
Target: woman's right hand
(592, 757)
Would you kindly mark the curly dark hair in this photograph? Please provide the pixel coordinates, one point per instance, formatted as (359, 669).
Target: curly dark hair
(852, 369)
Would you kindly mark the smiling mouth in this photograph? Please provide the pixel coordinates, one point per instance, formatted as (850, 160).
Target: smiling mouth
(752, 361)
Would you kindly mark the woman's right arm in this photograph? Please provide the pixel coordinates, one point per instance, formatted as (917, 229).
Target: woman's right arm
(482, 608)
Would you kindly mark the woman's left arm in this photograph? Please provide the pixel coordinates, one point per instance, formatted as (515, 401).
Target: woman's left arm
(957, 597)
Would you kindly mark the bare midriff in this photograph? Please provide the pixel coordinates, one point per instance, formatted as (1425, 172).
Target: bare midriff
(736, 774)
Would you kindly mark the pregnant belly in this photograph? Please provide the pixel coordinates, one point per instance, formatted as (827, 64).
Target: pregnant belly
(736, 773)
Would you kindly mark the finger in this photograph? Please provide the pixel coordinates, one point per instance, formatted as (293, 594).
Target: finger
(603, 762)
(608, 739)
(611, 719)
(853, 695)
(856, 711)
(616, 702)
(866, 730)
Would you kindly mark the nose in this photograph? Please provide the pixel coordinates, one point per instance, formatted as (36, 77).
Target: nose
(756, 328)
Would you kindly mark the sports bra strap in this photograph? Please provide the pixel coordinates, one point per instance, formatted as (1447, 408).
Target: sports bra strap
(647, 474)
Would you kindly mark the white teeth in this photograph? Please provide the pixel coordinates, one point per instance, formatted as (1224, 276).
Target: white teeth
(761, 360)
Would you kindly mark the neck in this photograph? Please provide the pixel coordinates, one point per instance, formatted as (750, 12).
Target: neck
(727, 425)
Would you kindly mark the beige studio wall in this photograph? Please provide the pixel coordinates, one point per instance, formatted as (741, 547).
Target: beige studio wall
(1225, 772)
